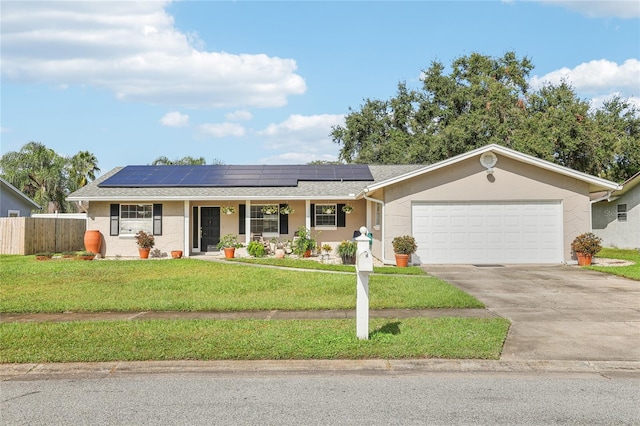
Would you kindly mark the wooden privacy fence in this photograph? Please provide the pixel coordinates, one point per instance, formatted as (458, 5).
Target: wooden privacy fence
(30, 235)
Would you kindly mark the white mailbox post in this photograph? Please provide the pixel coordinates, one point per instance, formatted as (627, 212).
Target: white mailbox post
(364, 265)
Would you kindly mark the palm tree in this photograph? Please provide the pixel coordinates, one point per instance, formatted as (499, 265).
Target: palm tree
(83, 169)
(184, 161)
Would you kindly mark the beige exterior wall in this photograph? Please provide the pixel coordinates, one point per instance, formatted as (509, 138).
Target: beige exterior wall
(172, 237)
(468, 181)
(616, 233)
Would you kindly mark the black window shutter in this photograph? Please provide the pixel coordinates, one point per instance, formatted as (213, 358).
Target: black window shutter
(157, 219)
(341, 217)
(313, 215)
(242, 211)
(284, 222)
(115, 219)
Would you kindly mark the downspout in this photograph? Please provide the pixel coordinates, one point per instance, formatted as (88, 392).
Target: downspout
(382, 228)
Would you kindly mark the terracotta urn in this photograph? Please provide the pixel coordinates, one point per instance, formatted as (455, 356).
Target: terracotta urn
(92, 240)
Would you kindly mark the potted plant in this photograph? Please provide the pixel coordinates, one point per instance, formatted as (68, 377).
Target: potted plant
(347, 209)
(287, 209)
(269, 209)
(347, 251)
(403, 247)
(145, 244)
(176, 254)
(44, 256)
(303, 244)
(327, 210)
(229, 243)
(585, 247)
(86, 255)
(228, 209)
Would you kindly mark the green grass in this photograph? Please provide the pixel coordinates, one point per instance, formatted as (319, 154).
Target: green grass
(30, 286)
(315, 265)
(251, 339)
(631, 271)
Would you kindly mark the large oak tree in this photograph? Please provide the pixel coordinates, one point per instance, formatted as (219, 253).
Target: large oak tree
(485, 100)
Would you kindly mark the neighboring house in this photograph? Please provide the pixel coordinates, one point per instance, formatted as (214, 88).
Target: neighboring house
(616, 215)
(489, 205)
(13, 203)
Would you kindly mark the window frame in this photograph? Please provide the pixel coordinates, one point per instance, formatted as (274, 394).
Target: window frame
(316, 215)
(621, 212)
(131, 231)
(257, 217)
(13, 213)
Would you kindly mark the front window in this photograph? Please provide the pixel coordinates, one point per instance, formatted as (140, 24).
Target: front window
(263, 223)
(325, 215)
(135, 217)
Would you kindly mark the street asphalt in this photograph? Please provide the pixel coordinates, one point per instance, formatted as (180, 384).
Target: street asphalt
(564, 319)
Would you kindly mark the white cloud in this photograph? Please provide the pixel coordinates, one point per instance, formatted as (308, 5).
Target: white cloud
(175, 119)
(134, 50)
(239, 116)
(597, 78)
(626, 9)
(221, 130)
(303, 138)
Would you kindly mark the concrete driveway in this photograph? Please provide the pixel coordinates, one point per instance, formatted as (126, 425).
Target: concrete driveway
(557, 312)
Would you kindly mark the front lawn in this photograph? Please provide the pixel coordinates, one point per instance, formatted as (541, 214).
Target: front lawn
(630, 271)
(30, 286)
(251, 339)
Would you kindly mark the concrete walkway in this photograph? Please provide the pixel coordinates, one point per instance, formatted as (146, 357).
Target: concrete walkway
(557, 312)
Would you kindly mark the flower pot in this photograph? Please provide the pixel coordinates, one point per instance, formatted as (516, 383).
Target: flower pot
(92, 240)
(307, 253)
(144, 252)
(402, 260)
(229, 252)
(584, 259)
(348, 260)
(176, 254)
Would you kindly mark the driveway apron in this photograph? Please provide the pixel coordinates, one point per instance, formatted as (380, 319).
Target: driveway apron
(557, 312)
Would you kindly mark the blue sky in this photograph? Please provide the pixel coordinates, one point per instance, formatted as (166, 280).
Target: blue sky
(263, 82)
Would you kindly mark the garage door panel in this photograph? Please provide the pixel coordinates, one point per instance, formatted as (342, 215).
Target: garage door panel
(495, 232)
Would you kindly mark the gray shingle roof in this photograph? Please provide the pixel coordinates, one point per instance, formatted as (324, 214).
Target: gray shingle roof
(304, 190)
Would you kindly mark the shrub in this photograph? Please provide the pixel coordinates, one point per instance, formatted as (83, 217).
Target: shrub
(256, 249)
(405, 244)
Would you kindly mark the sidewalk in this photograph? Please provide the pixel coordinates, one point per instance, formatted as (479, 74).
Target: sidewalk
(264, 315)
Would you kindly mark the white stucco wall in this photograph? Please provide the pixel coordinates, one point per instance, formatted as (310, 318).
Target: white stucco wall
(468, 181)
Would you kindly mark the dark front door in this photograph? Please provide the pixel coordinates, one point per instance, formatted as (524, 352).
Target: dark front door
(210, 225)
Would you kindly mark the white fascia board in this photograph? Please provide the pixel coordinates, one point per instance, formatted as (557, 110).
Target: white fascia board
(209, 198)
(525, 158)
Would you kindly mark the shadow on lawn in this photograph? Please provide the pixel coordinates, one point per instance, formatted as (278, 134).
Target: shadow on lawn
(389, 328)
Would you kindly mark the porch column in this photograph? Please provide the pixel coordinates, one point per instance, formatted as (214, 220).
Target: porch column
(187, 219)
(247, 222)
(307, 219)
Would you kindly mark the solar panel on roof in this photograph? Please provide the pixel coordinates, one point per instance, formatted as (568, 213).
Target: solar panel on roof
(233, 176)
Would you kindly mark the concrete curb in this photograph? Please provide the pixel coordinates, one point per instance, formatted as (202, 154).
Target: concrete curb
(21, 372)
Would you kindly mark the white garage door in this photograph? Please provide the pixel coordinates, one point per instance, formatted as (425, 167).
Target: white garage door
(487, 233)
